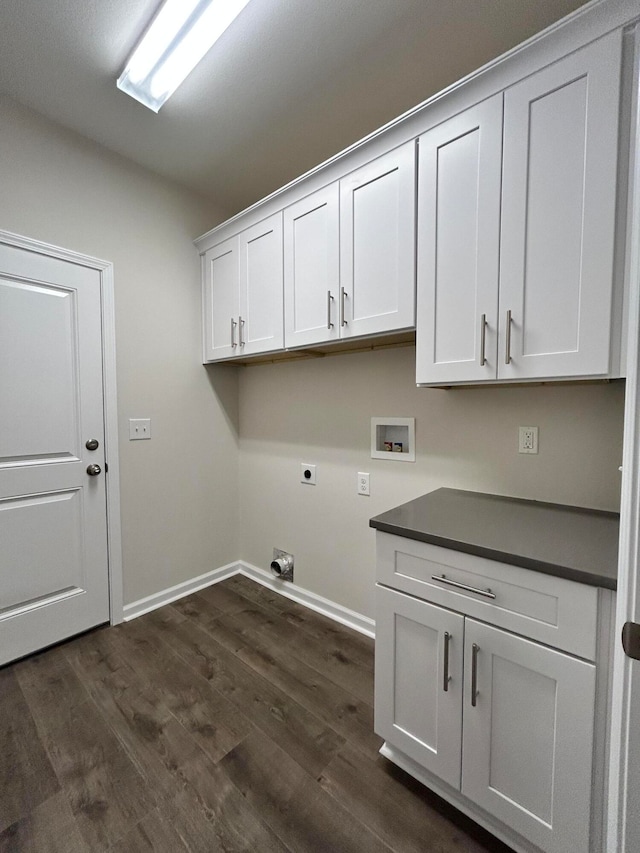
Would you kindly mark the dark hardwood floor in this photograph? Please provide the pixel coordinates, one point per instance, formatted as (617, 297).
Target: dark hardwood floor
(232, 720)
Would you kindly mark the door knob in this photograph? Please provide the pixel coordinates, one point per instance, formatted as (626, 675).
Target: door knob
(94, 470)
(92, 444)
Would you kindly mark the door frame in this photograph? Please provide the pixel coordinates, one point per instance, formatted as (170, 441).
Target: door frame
(624, 773)
(112, 484)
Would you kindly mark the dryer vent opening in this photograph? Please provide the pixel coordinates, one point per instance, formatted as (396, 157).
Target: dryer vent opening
(282, 565)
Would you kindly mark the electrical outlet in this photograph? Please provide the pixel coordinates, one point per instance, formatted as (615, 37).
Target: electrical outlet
(307, 473)
(527, 439)
(363, 483)
(139, 428)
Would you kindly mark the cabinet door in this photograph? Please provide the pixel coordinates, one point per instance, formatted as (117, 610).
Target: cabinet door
(528, 741)
(417, 709)
(459, 179)
(312, 268)
(558, 216)
(260, 323)
(221, 281)
(377, 245)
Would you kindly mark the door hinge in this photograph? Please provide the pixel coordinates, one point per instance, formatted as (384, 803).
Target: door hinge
(631, 640)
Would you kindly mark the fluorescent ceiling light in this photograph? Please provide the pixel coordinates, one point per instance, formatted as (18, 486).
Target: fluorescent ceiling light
(179, 36)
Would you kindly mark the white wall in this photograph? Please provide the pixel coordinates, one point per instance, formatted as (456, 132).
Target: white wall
(319, 411)
(182, 491)
(179, 490)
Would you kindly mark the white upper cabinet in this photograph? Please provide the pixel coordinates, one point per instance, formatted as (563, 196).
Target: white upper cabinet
(558, 216)
(260, 323)
(377, 245)
(459, 180)
(485, 219)
(520, 285)
(221, 300)
(349, 254)
(312, 268)
(243, 293)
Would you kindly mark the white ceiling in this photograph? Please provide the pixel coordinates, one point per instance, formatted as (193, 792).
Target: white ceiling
(291, 83)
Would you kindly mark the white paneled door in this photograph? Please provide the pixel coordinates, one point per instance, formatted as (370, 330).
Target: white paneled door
(528, 737)
(312, 268)
(53, 524)
(459, 184)
(377, 245)
(558, 216)
(261, 324)
(419, 681)
(221, 277)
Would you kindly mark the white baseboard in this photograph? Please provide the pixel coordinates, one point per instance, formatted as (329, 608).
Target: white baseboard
(166, 596)
(334, 611)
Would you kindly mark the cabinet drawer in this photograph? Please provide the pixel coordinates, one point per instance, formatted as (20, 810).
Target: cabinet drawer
(554, 611)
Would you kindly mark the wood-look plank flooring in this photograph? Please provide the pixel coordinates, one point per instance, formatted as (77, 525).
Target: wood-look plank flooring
(233, 720)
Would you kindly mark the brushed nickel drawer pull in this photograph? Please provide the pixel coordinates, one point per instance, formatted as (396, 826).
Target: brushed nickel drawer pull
(444, 579)
(447, 677)
(343, 295)
(507, 355)
(475, 648)
(233, 333)
(329, 301)
(483, 339)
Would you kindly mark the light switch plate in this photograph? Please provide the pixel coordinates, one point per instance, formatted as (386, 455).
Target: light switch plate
(139, 428)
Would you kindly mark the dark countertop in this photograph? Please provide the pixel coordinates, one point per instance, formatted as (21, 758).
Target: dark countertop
(565, 541)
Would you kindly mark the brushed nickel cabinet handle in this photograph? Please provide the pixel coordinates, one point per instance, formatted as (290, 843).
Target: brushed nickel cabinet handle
(240, 330)
(233, 333)
(446, 678)
(483, 339)
(475, 648)
(329, 301)
(343, 294)
(444, 579)
(507, 355)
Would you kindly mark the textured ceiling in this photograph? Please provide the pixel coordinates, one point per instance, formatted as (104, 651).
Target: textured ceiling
(291, 83)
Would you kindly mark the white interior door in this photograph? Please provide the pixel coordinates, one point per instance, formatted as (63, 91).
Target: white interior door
(53, 559)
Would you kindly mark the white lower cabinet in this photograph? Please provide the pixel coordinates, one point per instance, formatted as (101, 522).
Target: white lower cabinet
(505, 721)
(527, 746)
(419, 676)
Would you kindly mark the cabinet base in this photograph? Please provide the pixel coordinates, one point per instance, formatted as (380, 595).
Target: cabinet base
(456, 799)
